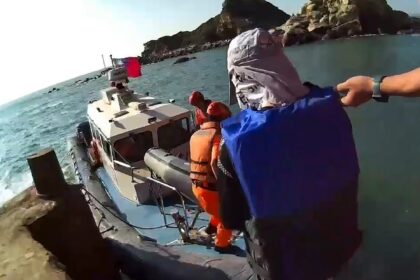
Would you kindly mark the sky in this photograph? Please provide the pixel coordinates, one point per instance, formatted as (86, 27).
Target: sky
(48, 41)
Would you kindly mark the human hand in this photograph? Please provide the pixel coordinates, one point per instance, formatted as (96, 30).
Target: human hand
(358, 90)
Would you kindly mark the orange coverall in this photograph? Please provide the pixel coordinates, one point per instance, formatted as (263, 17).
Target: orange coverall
(209, 198)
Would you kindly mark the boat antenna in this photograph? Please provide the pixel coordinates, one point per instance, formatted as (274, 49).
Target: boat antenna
(103, 61)
(112, 61)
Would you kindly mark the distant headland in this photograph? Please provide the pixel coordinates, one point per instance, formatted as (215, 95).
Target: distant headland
(236, 16)
(317, 20)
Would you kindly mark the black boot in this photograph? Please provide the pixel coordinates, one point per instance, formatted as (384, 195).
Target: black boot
(210, 229)
(224, 250)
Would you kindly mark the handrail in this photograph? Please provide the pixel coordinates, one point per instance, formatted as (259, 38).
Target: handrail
(162, 183)
(183, 227)
(123, 164)
(162, 206)
(125, 160)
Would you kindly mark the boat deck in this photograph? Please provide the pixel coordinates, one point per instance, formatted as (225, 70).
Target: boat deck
(148, 216)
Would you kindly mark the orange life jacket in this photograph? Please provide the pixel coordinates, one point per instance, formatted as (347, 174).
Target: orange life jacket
(201, 143)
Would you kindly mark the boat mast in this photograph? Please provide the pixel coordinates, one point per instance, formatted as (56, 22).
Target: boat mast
(103, 61)
(112, 61)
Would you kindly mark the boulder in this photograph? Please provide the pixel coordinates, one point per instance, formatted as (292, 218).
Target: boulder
(299, 36)
(350, 13)
(318, 27)
(294, 37)
(184, 59)
(333, 10)
(347, 29)
(310, 8)
(330, 19)
(324, 19)
(316, 15)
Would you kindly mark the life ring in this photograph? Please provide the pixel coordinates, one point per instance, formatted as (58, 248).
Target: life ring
(95, 149)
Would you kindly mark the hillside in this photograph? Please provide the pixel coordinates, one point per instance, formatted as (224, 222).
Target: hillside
(236, 16)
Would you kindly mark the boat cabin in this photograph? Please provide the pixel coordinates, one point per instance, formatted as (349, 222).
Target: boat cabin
(125, 125)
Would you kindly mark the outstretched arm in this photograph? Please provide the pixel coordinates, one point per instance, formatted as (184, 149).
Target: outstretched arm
(360, 89)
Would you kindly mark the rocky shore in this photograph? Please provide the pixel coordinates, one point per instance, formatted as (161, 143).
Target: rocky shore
(185, 51)
(88, 79)
(82, 81)
(332, 19)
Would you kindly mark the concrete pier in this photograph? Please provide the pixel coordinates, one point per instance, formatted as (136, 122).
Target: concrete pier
(48, 232)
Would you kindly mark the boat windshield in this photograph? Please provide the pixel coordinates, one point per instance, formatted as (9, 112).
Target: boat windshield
(174, 134)
(134, 147)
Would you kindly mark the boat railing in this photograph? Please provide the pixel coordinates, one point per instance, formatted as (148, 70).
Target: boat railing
(124, 163)
(181, 220)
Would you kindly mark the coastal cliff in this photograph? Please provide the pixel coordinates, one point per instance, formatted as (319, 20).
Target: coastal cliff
(331, 19)
(236, 16)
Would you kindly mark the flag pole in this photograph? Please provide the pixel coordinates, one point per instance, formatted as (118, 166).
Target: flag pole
(112, 61)
(103, 61)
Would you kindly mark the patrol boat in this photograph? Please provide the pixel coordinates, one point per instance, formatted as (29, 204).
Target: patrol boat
(131, 157)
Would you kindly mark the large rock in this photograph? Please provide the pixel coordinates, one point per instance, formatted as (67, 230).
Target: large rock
(330, 19)
(318, 27)
(348, 29)
(184, 59)
(236, 16)
(415, 24)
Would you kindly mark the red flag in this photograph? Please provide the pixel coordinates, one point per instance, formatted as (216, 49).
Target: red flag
(133, 67)
(132, 64)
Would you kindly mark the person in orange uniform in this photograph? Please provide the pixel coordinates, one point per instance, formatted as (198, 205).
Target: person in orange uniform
(204, 151)
(201, 104)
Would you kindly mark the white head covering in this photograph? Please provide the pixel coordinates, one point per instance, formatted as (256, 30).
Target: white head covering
(260, 74)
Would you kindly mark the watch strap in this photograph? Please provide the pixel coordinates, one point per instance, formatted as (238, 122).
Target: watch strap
(377, 94)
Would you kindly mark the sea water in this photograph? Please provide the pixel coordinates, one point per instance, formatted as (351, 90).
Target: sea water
(387, 136)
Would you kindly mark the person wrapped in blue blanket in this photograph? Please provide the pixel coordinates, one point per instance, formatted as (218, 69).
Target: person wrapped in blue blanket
(288, 168)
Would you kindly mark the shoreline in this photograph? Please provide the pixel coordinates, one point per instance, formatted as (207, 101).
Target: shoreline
(186, 52)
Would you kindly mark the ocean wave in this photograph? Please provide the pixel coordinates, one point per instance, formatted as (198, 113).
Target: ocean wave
(12, 183)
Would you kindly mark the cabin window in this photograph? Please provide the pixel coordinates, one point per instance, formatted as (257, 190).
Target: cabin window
(93, 130)
(106, 146)
(96, 134)
(174, 134)
(134, 147)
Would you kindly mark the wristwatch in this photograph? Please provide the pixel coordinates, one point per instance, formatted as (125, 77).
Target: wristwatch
(377, 94)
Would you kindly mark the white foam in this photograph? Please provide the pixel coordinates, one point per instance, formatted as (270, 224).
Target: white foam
(17, 184)
(10, 187)
(5, 195)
